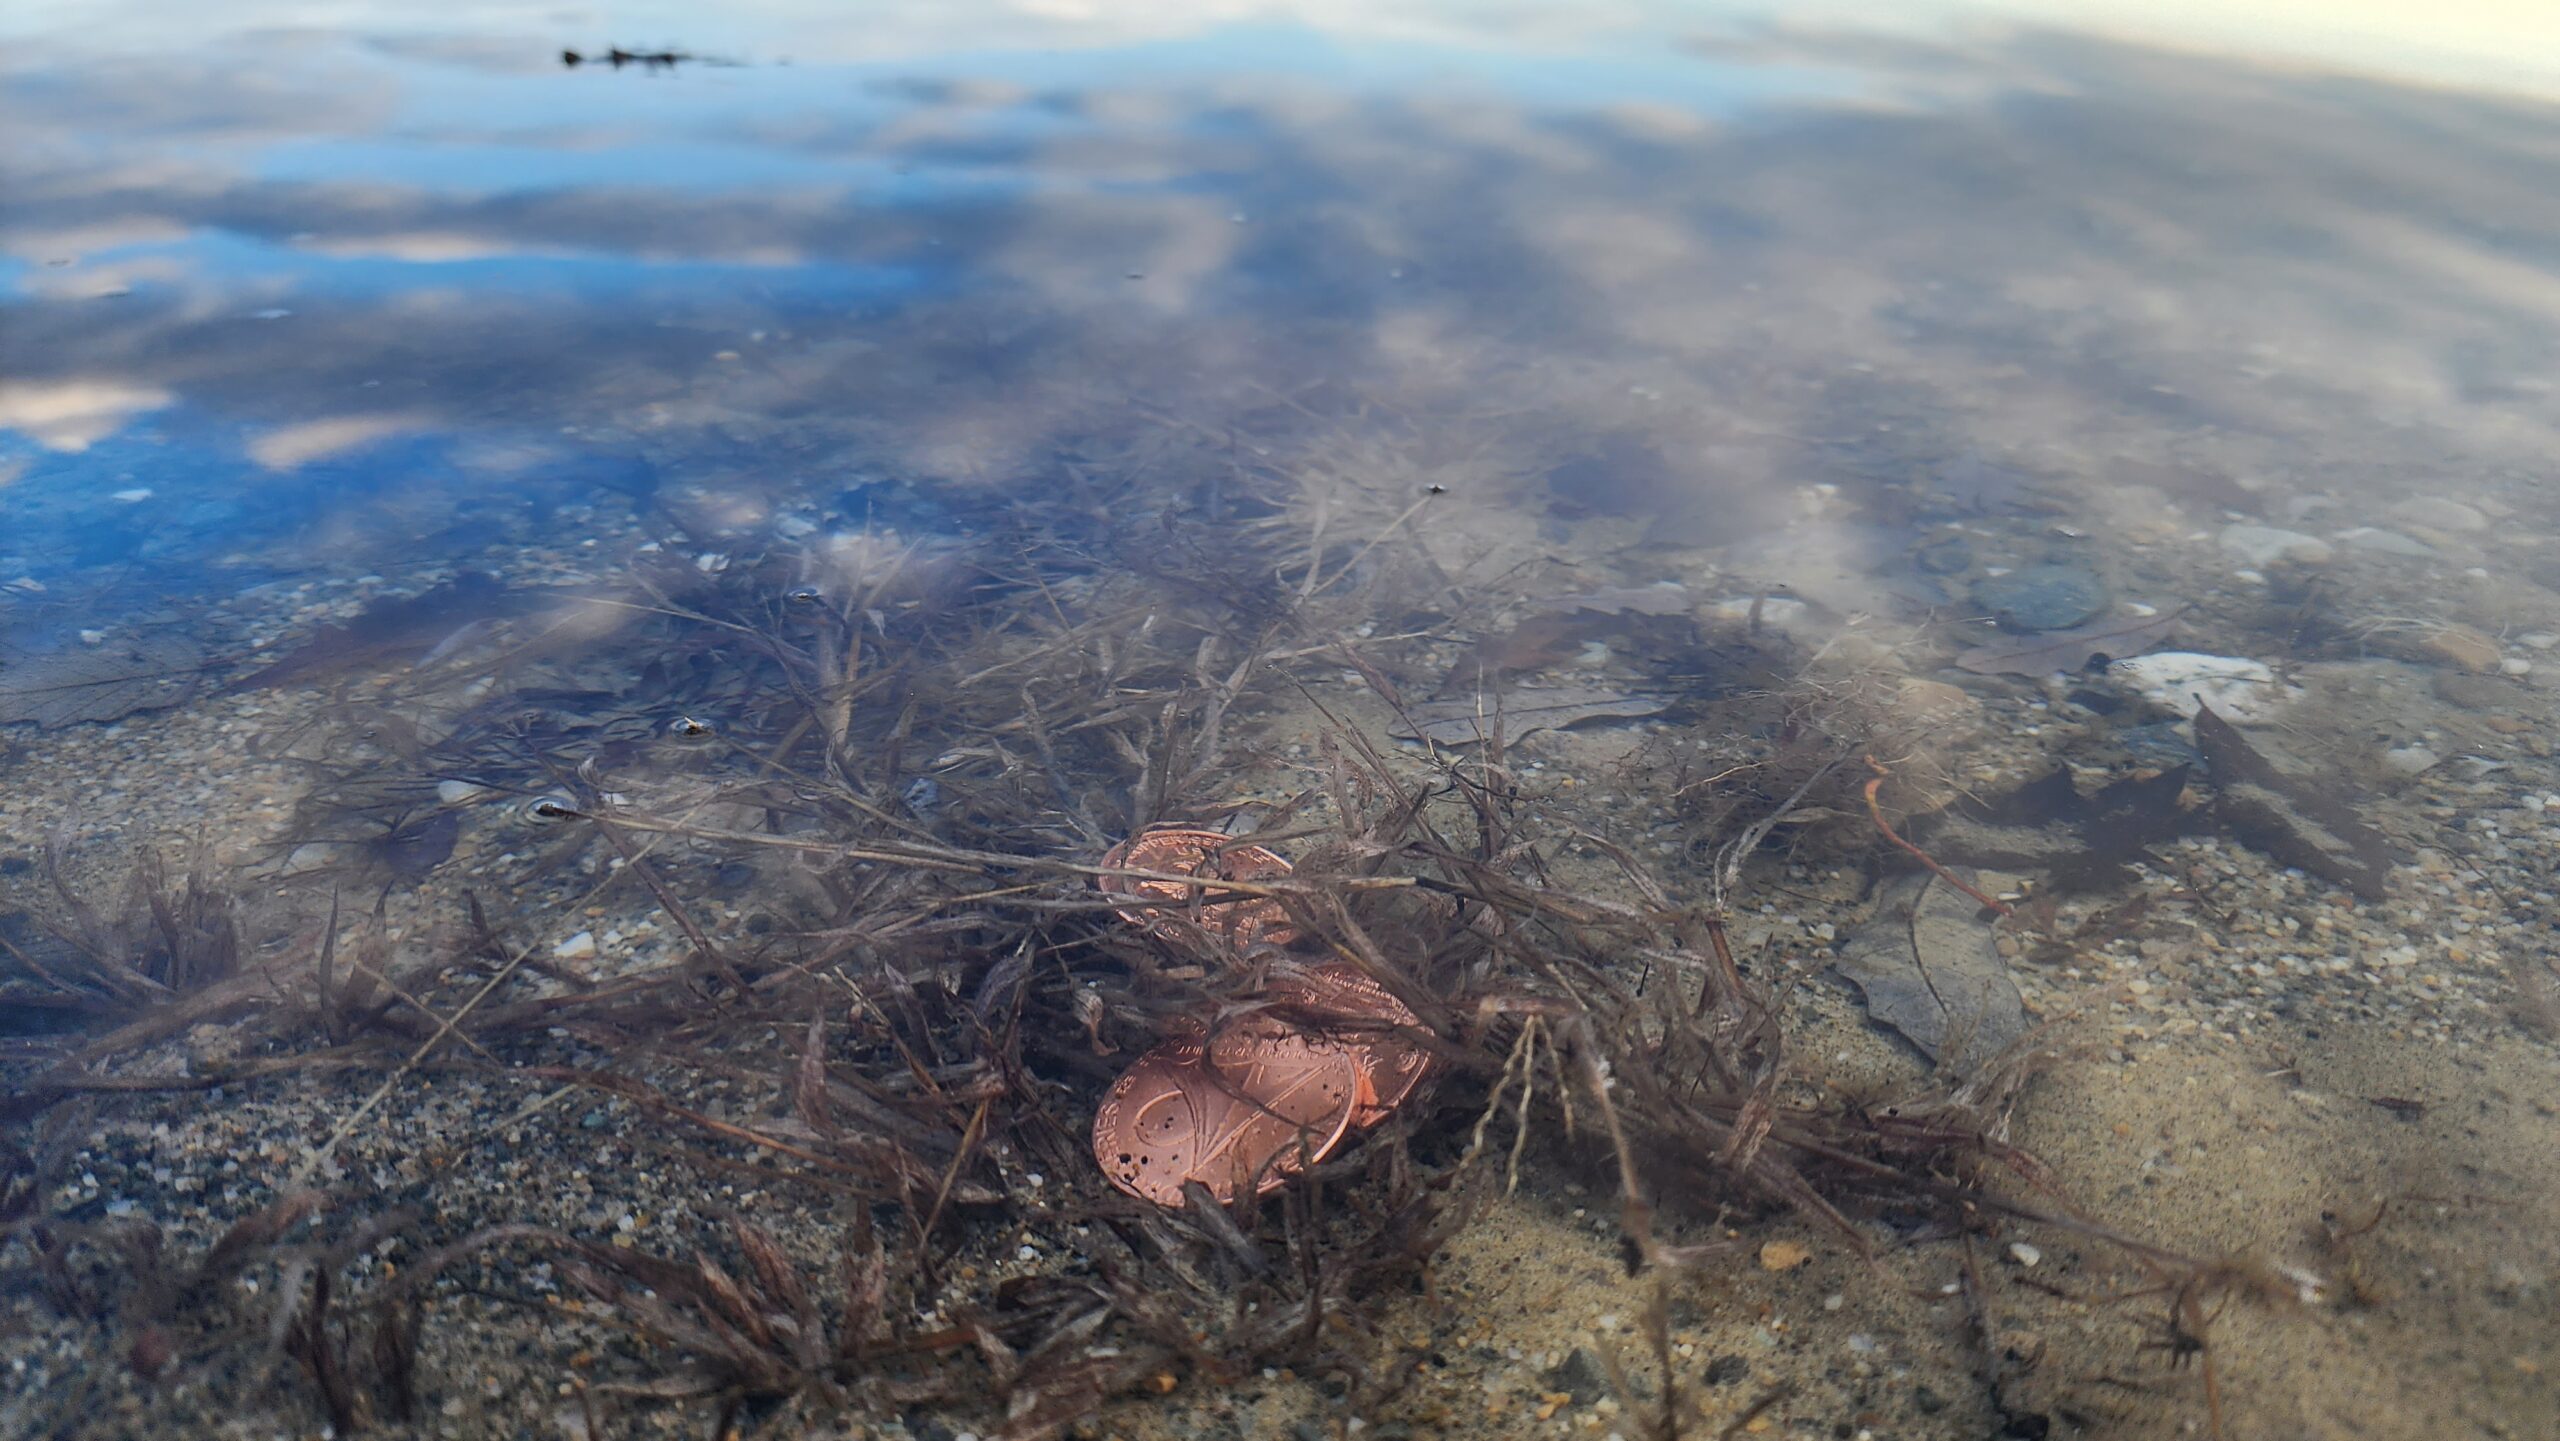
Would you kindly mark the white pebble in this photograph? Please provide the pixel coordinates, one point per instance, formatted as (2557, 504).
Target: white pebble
(2024, 1254)
(2240, 690)
(2410, 760)
(577, 947)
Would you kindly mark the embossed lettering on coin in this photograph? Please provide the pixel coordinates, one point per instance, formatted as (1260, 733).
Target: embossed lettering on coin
(1242, 922)
(1270, 1102)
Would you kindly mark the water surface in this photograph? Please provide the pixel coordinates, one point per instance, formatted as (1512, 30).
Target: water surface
(300, 308)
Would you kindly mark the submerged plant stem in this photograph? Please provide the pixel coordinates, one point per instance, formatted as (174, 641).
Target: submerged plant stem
(1876, 810)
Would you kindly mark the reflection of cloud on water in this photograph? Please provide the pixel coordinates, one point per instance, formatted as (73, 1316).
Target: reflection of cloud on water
(812, 32)
(422, 247)
(53, 246)
(2072, 252)
(106, 280)
(291, 447)
(60, 115)
(72, 415)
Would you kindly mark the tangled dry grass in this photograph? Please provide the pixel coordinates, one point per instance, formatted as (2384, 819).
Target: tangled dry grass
(917, 754)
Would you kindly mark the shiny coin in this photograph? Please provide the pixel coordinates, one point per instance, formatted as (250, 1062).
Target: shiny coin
(1242, 922)
(1368, 1019)
(1275, 1101)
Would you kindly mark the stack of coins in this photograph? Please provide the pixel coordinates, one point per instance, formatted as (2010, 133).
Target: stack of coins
(1248, 1105)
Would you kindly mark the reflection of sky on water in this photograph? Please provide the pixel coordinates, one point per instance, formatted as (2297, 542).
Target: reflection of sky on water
(277, 272)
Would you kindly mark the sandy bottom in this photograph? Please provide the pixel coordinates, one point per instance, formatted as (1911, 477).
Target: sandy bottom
(2340, 1100)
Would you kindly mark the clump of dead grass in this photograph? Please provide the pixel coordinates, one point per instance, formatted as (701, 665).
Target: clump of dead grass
(909, 758)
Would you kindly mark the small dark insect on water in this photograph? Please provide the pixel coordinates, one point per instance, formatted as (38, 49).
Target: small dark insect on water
(617, 57)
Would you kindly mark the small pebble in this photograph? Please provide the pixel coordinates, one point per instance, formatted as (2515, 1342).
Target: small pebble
(2434, 512)
(2042, 597)
(2462, 646)
(1783, 1255)
(2263, 545)
(2411, 760)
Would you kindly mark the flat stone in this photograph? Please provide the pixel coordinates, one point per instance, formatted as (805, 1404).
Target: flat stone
(2462, 646)
(2473, 691)
(2042, 597)
(1935, 704)
(2244, 690)
(2383, 542)
(2434, 512)
(2262, 545)
(2410, 760)
(1947, 555)
(1581, 1376)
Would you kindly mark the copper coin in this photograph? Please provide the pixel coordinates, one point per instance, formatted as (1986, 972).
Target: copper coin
(1277, 1100)
(1242, 922)
(1392, 1064)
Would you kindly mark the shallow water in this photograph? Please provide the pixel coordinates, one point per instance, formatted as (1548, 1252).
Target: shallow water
(1914, 346)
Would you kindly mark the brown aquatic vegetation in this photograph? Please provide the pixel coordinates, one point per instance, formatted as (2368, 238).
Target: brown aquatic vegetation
(165, 941)
(903, 760)
(1875, 810)
(169, 956)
